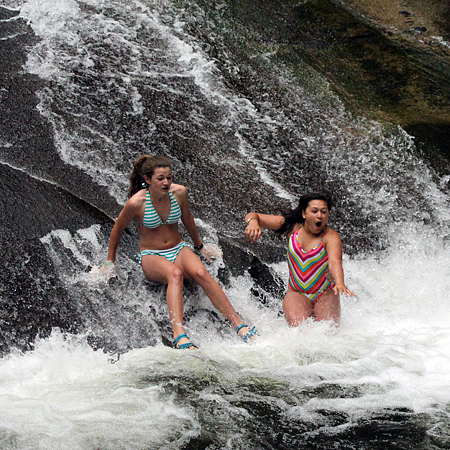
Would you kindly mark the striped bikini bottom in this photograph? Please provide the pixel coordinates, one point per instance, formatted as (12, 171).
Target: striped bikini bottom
(170, 254)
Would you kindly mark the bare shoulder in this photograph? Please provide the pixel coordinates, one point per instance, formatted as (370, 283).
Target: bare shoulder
(132, 209)
(136, 202)
(296, 227)
(179, 191)
(331, 236)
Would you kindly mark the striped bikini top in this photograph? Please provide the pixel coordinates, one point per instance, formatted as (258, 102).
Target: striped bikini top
(151, 217)
(307, 270)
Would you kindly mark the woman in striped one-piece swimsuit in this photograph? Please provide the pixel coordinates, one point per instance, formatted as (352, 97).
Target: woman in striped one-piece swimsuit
(157, 205)
(316, 276)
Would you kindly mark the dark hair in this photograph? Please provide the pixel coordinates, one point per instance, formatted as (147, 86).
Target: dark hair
(145, 165)
(296, 215)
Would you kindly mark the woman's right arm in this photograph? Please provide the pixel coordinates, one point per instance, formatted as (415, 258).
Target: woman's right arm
(127, 214)
(255, 222)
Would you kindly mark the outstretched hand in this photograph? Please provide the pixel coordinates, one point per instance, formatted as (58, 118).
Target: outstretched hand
(108, 270)
(342, 289)
(208, 253)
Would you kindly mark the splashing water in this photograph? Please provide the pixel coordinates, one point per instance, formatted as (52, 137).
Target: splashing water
(130, 75)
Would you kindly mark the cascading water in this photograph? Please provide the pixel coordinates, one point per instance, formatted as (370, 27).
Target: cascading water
(245, 131)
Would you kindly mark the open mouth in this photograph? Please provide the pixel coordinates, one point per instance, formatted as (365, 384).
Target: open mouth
(319, 224)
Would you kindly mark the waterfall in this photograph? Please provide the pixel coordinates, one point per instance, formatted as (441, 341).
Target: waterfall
(86, 363)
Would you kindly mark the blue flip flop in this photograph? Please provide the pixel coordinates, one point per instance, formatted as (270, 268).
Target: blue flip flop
(252, 332)
(185, 345)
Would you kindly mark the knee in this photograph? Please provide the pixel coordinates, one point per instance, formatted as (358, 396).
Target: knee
(294, 319)
(176, 276)
(201, 274)
(296, 310)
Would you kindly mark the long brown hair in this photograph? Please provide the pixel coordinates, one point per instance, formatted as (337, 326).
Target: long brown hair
(145, 165)
(296, 215)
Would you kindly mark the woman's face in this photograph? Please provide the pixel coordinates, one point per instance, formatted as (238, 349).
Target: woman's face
(160, 180)
(316, 216)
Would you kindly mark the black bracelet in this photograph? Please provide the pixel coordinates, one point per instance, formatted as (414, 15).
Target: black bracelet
(198, 247)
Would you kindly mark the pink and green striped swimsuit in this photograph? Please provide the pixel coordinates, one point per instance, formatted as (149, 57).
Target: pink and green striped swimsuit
(308, 270)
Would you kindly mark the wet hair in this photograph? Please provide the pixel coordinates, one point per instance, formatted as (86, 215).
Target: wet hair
(145, 165)
(296, 215)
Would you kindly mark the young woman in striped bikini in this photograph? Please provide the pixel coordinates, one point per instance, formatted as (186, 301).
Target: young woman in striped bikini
(316, 277)
(157, 205)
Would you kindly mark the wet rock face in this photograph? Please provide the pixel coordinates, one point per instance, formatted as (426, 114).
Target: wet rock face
(419, 101)
(387, 60)
(389, 57)
(421, 28)
(430, 16)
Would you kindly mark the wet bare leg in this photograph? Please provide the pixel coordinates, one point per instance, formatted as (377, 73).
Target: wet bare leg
(328, 307)
(160, 270)
(194, 269)
(297, 308)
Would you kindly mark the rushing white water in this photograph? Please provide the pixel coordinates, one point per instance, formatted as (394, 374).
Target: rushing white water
(391, 350)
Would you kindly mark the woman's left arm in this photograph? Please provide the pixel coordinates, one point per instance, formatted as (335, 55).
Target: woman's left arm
(333, 246)
(188, 221)
(186, 216)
